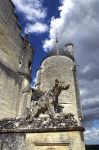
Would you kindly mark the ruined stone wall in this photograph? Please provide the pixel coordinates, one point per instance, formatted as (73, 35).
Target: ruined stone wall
(11, 46)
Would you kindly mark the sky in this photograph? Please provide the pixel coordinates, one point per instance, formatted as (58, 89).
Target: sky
(75, 21)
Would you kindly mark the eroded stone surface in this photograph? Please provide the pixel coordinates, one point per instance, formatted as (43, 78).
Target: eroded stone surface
(12, 57)
(66, 121)
(14, 141)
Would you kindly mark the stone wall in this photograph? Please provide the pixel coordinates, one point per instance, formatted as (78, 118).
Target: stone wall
(72, 140)
(12, 141)
(55, 141)
(9, 35)
(11, 47)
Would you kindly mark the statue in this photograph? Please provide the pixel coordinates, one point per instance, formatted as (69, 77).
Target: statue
(47, 101)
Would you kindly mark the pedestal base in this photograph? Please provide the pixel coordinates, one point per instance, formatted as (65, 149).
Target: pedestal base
(53, 134)
(55, 141)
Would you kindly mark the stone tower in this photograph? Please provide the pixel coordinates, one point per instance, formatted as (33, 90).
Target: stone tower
(61, 65)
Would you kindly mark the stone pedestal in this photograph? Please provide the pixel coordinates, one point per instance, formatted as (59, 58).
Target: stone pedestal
(54, 140)
(19, 134)
(72, 140)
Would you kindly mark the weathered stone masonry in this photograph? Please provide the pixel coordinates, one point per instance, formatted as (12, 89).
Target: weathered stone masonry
(11, 49)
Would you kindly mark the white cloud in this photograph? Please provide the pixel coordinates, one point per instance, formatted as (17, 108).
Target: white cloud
(57, 24)
(73, 23)
(32, 9)
(89, 95)
(67, 5)
(36, 28)
(92, 134)
(85, 69)
(34, 13)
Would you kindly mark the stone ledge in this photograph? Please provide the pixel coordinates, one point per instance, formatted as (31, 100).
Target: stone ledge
(42, 130)
(23, 125)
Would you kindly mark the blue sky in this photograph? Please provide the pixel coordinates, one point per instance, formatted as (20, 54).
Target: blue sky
(74, 21)
(37, 38)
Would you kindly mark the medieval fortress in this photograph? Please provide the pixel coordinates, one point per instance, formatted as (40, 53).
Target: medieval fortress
(48, 118)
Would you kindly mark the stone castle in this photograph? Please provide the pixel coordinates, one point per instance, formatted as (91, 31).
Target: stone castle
(46, 118)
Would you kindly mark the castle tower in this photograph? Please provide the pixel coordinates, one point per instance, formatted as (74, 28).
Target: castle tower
(60, 65)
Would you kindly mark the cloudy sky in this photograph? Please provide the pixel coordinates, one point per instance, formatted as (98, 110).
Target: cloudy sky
(74, 21)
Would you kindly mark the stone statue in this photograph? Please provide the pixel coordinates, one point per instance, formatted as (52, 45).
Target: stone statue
(47, 101)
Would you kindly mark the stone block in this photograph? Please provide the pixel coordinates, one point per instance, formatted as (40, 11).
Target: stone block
(55, 141)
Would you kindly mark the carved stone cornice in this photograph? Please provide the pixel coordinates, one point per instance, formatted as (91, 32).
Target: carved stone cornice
(58, 124)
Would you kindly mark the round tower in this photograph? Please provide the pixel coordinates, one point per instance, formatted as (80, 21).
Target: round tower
(59, 106)
(61, 65)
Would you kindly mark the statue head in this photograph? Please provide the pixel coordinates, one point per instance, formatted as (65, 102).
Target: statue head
(56, 82)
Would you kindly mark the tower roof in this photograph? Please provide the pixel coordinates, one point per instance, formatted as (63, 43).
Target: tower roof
(61, 51)
(56, 50)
